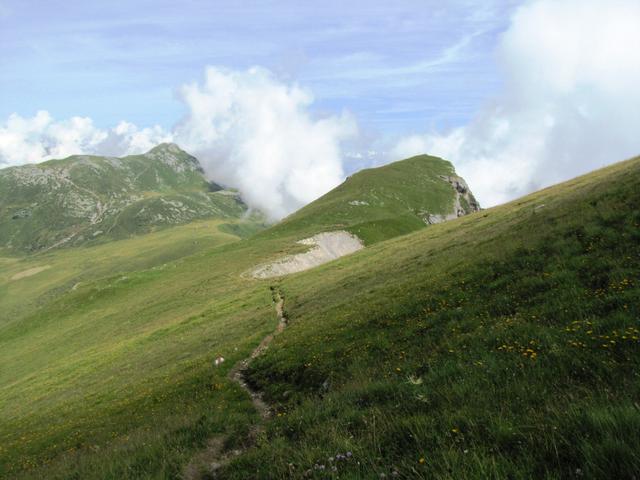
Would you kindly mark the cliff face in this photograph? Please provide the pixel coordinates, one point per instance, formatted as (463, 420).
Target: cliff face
(464, 202)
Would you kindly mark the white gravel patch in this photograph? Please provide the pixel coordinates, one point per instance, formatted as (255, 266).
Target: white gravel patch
(326, 246)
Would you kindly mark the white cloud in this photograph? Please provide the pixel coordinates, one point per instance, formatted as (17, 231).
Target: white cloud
(126, 139)
(248, 129)
(24, 140)
(571, 101)
(253, 132)
(30, 140)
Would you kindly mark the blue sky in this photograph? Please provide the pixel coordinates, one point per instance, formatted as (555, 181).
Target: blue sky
(517, 94)
(397, 66)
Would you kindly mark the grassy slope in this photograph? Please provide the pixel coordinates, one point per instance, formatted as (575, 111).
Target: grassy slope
(78, 352)
(119, 382)
(126, 360)
(393, 200)
(501, 345)
(70, 267)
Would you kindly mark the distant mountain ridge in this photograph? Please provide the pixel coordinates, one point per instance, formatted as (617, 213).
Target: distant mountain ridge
(379, 203)
(86, 198)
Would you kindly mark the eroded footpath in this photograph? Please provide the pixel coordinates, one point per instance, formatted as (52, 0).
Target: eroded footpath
(206, 463)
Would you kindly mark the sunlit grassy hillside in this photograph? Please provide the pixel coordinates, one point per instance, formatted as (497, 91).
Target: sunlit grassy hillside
(380, 203)
(505, 344)
(501, 344)
(116, 351)
(31, 281)
(102, 344)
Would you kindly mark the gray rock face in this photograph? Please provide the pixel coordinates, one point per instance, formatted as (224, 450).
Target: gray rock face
(464, 202)
(325, 247)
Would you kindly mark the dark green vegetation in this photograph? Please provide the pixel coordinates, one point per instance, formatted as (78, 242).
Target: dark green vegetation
(504, 344)
(380, 203)
(89, 199)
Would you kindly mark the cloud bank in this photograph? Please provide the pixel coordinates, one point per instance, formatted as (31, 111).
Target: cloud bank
(249, 130)
(571, 101)
(256, 133)
(30, 140)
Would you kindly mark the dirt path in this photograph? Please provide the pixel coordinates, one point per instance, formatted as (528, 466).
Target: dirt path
(236, 373)
(30, 272)
(206, 463)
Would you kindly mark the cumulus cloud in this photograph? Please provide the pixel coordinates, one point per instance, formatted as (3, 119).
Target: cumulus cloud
(33, 139)
(571, 101)
(38, 138)
(249, 130)
(256, 133)
(127, 139)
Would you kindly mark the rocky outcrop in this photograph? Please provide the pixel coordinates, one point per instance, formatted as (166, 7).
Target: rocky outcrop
(464, 201)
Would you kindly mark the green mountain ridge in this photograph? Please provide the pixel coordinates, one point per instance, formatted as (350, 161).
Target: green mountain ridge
(383, 202)
(500, 344)
(83, 199)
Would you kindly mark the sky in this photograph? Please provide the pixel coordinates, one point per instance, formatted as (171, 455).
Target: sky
(390, 63)
(283, 99)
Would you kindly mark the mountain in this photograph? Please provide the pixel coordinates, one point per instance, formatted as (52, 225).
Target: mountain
(372, 205)
(395, 199)
(83, 199)
(501, 344)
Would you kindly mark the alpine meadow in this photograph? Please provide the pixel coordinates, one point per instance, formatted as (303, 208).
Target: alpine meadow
(374, 241)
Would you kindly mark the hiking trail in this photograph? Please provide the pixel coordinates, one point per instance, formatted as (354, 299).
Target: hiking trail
(206, 463)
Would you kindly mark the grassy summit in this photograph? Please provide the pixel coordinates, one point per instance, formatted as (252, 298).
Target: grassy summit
(87, 199)
(380, 203)
(500, 344)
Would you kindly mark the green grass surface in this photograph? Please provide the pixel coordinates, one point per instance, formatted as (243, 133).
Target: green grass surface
(378, 203)
(125, 361)
(69, 268)
(501, 345)
(84, 200)
(470, 349)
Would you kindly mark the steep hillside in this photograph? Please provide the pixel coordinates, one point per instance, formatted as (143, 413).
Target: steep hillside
(93, 341)
(86, 198)
(505, 344)
(380, 203)
(502, 344)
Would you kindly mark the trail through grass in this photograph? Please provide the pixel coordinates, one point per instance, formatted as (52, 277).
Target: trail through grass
(503, 344)
(207, 463)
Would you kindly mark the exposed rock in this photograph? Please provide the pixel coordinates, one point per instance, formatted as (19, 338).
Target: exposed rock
(24, 213)
(326, 246)
(464, 202)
